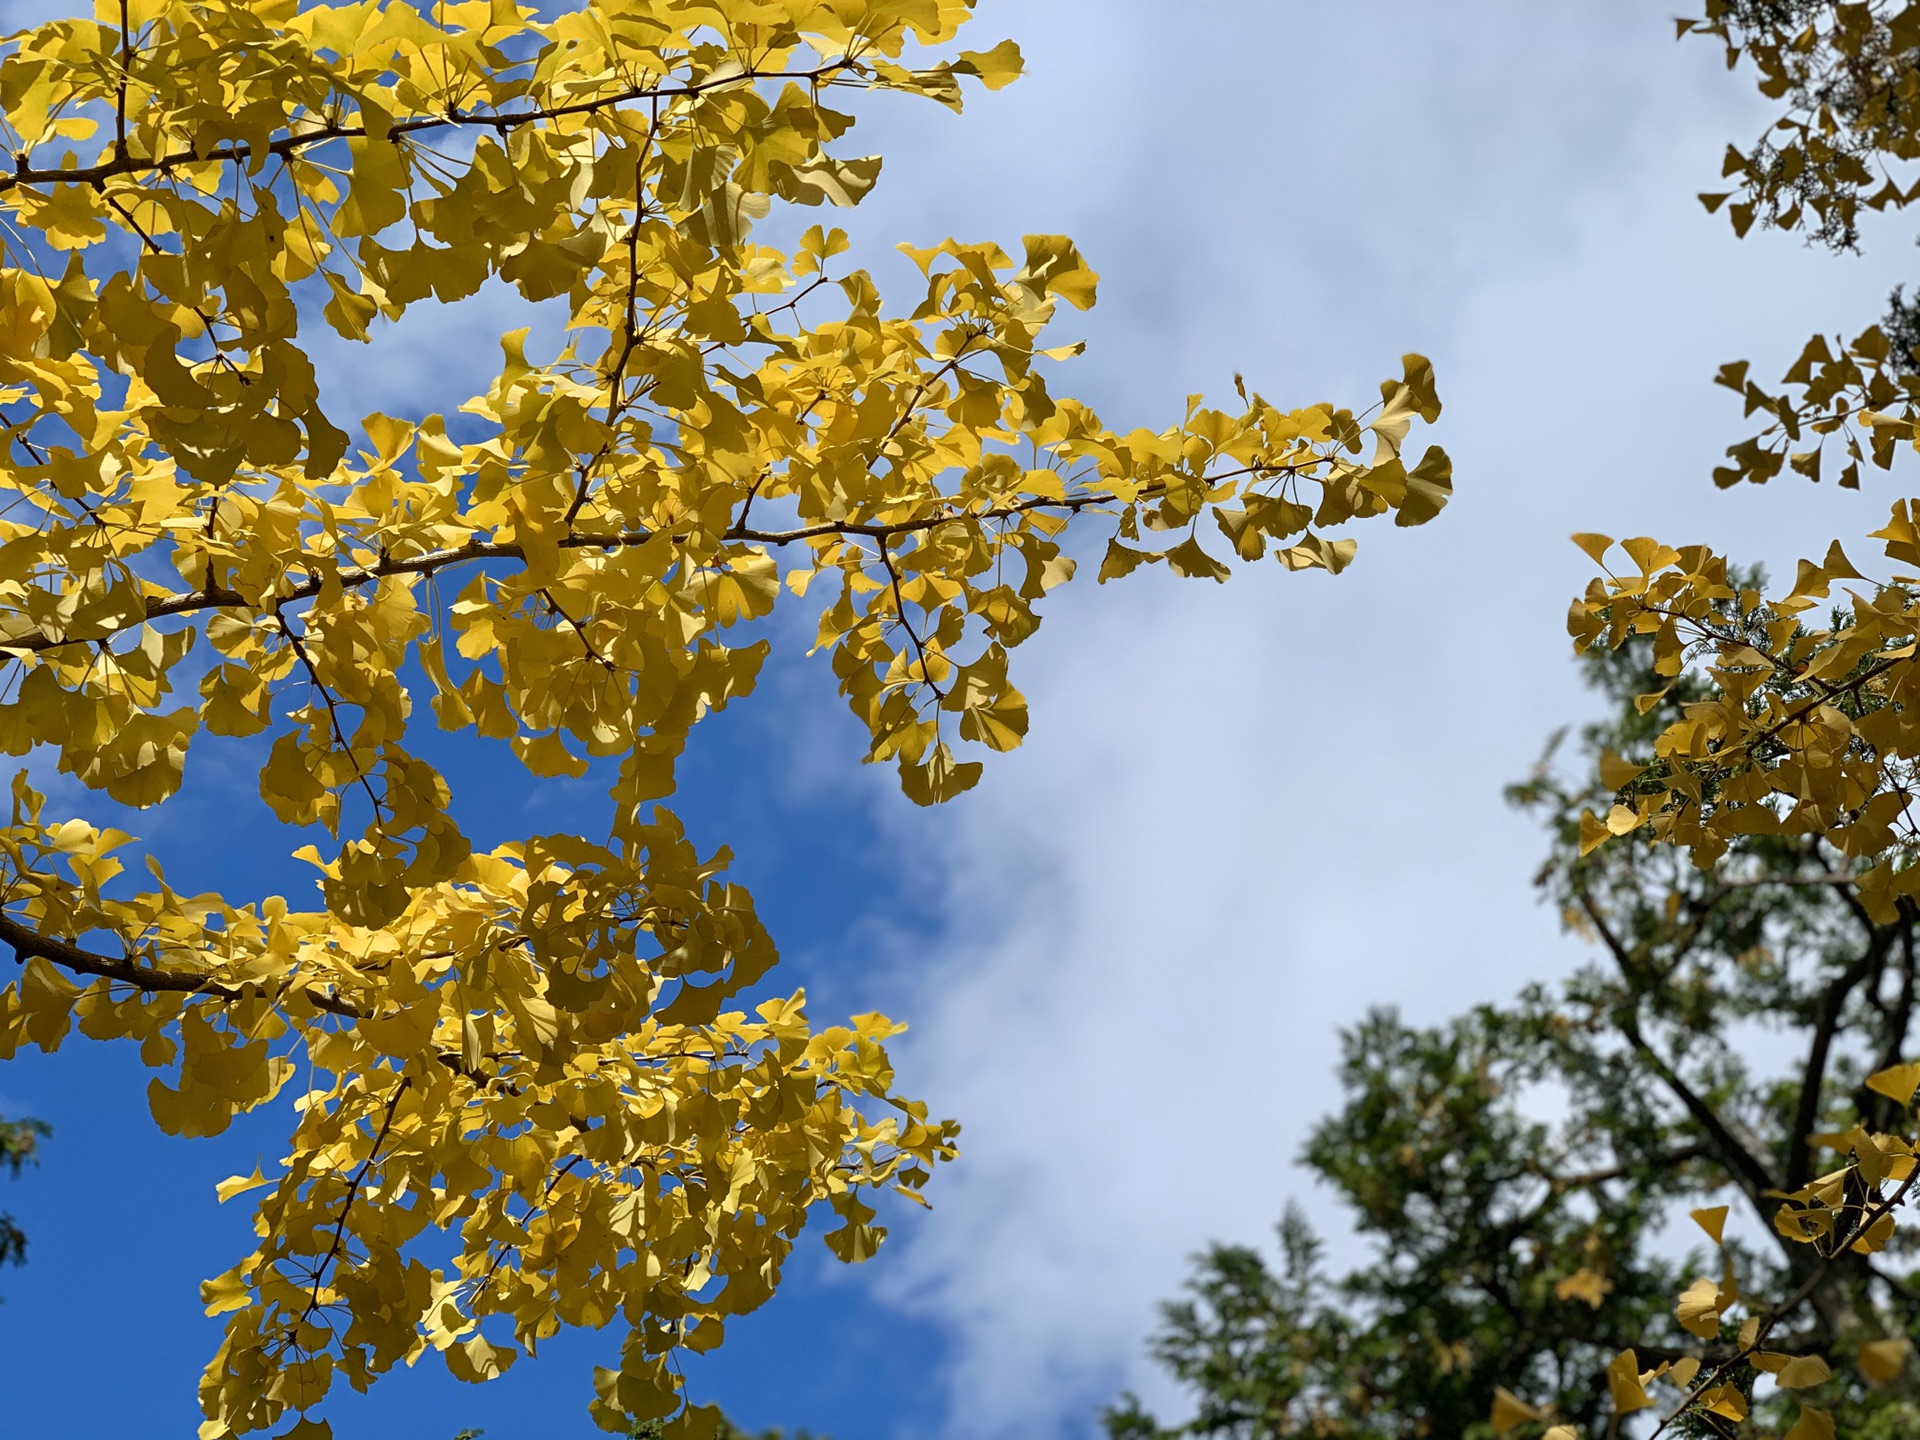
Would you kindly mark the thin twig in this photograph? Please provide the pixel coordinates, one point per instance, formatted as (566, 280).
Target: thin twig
(333, 716)
(353, 1193)
(900, 609)
(554, 608)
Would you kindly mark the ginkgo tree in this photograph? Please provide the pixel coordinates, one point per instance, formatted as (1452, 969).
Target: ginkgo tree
(1802, 729)
(1593, 1167)
(545, 1054)
(1744, 851)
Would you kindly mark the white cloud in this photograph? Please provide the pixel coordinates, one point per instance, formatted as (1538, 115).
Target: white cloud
(1248, 814)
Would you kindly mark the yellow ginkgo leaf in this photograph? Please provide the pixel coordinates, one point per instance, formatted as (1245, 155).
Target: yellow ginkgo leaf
(1617, 774)
(1699, 1308)
(1622, 820)
(1595, 546)
(1510, 1410)
(1713, 1220)
(1881, 1361)
(1803, 1372)
(1897, 1083)
(1585, 1285)
(1726, 1401)
(1623, 1384)
(239, 1185)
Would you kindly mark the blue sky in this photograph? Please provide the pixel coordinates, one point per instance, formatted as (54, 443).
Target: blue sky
(1245, 814)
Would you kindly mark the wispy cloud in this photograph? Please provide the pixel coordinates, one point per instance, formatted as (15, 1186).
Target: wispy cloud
(1248, 814)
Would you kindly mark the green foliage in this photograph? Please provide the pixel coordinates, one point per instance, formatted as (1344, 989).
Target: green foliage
(1731, 1011)
(1255, 1344)
(19, 1144)
(1901, 325)
(1741, 846)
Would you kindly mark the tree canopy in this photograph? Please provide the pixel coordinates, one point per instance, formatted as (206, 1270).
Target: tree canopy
(1741, 847)
(1732, 1011)
(545, 1083)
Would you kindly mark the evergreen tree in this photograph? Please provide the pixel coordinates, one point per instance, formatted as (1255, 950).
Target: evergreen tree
(1730, 1012)
(19, 1143)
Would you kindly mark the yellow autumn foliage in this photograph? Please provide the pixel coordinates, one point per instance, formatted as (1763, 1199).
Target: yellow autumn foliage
(542, 1054)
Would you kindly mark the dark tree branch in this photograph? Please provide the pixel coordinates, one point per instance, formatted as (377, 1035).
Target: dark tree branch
(28, 943)
(353, 1193)
(335, 724)
(242, 152)
(1806, 1114)
(220, 597)
(1753, 1175)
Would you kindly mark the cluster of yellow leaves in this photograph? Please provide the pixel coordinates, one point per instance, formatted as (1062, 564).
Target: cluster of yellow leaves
(1790, 726)
(1850, 1210)
(1860, 392)
(532, 1057)
(517, 1048)
(1847, 72)
(1802, 729)
(919, 463)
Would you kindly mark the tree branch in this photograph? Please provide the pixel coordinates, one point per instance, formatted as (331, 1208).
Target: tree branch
(1806, 1113)
(1756, 1179)
(554, 609)
(219, 597)
(241, 151)
(900, 610)
(27, 942)
(353, 1193)
(333, 718)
